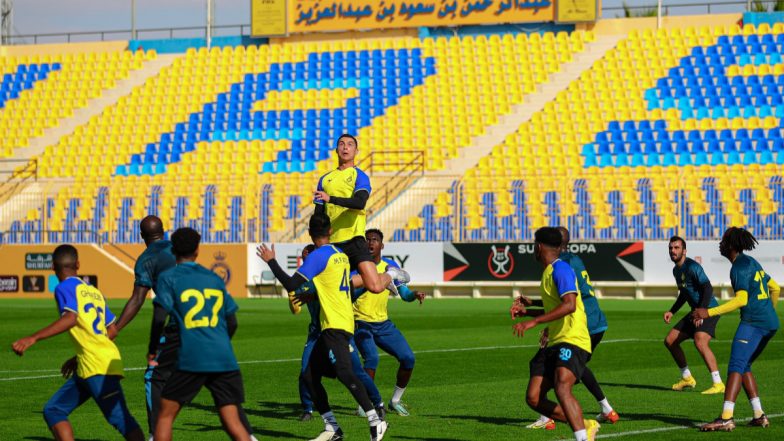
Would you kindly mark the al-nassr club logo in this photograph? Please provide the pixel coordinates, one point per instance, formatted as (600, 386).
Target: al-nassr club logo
(220, 267)
(500, 262)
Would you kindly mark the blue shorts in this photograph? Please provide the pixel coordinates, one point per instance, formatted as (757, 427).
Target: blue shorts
(747, 345)
(386, 336)
(104, 389)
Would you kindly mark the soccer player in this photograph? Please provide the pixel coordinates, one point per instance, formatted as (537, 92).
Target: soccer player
(155, 259)
(559, 365)
(756, 294)
(314, 329)
(329, 269)
(205, 313)
(695, 289)
(597, 325)
(342, 194)
(374, 329)
(99, 369)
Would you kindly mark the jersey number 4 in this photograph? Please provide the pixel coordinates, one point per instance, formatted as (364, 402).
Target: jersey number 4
(344, 284)
(759, 276)
(198, 307)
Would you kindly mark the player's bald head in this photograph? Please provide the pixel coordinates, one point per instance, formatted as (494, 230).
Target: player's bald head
(151, 228)
(565, 237)
(65, 257)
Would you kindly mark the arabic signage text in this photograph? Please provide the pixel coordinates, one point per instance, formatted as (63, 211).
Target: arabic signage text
(318, 15)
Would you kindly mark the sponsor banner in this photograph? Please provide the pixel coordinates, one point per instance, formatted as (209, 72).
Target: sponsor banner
(423, 260)
(576, 11)
(472, 262)
(268, 18)
(9, 283)
(33, 283)
(658, 267)
(38, 261)
(346, 15)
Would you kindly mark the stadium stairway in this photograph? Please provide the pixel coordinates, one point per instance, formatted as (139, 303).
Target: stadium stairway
(411, 201)
(17, 202)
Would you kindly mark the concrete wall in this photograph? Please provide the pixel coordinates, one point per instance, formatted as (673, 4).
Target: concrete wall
(62, 48)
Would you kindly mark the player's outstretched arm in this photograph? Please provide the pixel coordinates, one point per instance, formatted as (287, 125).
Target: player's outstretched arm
(409, 296)
(568, 305)
(357, 202)
(290, 283)
(62, 324)
(740, 300)
(138, 296)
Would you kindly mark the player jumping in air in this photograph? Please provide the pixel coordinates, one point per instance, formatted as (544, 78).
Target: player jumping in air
(98, 367)
(597, 325)
(157, 258)
(756, 294)
(329, 269)
(374, 329)
(559, 365)
(695, 289)
(205, 313)
(314, 330)
(342, 194)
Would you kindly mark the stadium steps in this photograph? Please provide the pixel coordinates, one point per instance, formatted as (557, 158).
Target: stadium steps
(94, 108)
(425, 190)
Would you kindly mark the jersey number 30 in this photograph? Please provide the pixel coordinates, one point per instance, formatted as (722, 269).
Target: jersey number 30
(200, 297)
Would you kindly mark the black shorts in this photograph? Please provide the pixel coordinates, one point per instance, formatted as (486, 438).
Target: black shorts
(595, 340)
(331, 353)
(548, 359)
(357, 251)
(686, 326)
(226, 387)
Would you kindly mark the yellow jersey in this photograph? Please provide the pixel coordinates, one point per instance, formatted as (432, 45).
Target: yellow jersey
(347, 223)
(558, 280)
(96, 354)
(329, 270)
(372, 308)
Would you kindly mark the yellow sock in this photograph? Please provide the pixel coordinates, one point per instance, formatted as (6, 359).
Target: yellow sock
(728, 411)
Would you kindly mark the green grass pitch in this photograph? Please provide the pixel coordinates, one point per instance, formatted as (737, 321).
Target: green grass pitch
(468, 383)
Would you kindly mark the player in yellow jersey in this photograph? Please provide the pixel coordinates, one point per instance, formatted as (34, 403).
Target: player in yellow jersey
(328, 268)
(562, 363)
(375, 330)
(88, 320)
(342, 194)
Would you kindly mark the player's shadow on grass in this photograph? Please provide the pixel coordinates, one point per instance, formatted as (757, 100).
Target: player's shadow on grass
(269, 409)
(638, 386)
(217, 427)
(494, 420)
(667, 419)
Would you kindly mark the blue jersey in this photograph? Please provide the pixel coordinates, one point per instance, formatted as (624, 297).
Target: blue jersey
(690, 278)
(747, 275)
(157, 258)
(597, 322)
(197, 299)
(314, 309)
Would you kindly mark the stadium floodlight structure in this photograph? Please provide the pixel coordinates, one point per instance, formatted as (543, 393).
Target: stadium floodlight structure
(6, 21)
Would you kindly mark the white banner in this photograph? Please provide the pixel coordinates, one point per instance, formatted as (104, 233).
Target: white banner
(423, 260)
(658, 266)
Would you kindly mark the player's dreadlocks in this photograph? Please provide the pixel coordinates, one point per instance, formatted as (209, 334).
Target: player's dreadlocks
(738, 240)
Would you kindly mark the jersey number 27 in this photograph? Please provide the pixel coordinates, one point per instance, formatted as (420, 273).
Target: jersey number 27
(198, 307)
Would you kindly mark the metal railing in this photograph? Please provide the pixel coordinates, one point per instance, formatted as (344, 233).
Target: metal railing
(16, 174)
(686, 8)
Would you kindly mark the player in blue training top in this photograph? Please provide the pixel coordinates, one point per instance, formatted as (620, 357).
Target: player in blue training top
(695, 289)
(205, 313)
(561, 364)
(157, 258)
(756, 294)
(342, 194)
(314, 330)
(98, 366)
(597, 325)
(374, 329)
(328, 268)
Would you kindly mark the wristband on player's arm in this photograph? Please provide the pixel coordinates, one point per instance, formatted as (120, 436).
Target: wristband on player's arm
(740, 300)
